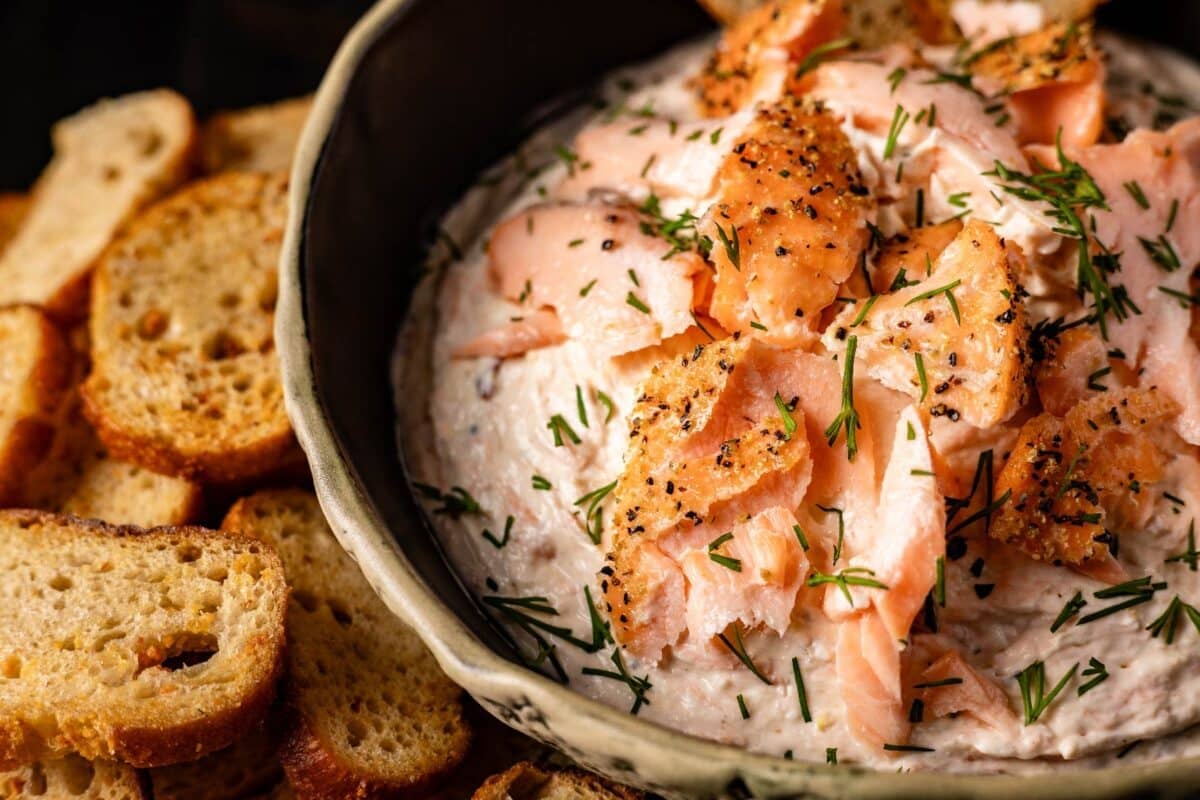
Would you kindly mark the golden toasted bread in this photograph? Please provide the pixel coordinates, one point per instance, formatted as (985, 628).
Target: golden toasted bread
(248, 768)
(185, 378)
(13, 208)
(35, 371)
(111, 160)
(527, 781)
(259, 139)
(79, 477)
(73, 778)
(145, 646)
(372, 715)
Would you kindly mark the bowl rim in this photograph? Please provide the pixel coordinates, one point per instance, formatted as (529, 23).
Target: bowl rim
(610, 740)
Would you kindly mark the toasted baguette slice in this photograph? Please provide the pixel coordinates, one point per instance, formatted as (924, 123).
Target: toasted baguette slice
(145, 646)
(13, 208)
(79, 477)
(248, 768)
(110, 160)
(372, 714)
(35, 371)
(185, 379)
(73, 778)
(527, 781)
(259, 139)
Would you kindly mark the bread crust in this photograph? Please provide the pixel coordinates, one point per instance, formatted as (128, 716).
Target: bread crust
(161, 449)
(314, 763)
(525, 781)
(315, 773)
(151, 746)
(30, 438)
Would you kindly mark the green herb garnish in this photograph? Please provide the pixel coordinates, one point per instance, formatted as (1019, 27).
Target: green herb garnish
(1032, 681)
(848, 416)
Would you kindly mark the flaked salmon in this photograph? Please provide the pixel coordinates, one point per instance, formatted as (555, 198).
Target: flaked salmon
(541, 328)
(750, 575)
(756, 56)
(1075, 364)
(710, 446)
(641, 157)
(1151, 188)
(609, 282)
(1070, 480)
(955, 341)
(900, 546)
(788, 224)
(867, 661)
(1053, 81)
(947, 685)
(904, 258)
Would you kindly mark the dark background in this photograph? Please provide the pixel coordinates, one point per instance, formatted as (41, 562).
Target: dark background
(57, 56)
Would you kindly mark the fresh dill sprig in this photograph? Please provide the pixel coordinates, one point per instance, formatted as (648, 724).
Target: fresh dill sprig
(1190, 556)
(580, 408)
(1067, 191)
(526, 613)
(848, 416)
(559, 426)
(499, 543)
(801, 693)
(594, 515)
(454, 503)
(899, 119)
(732, 243)
(725, 561)
(639, 686)
(1034, 697)
(947, 290)
(1098, 674)
(1073, 606)
(785, 412)
(818, 54)
(852, 576)
(738, 648)
(841, 537)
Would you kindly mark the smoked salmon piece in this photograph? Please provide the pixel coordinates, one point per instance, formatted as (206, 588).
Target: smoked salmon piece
(608, 281)
(949, 685)
(642, 157)
(1073, 366)
(929, 140)
(910, 253)
(709, 447)
(1157, 247)
(788, 225)
(755, 57)
(1071, 478)
(898, 547)
(706, 430)
(645, 596)
(956, 341)
(539, 329)
(867, 663)
(754, 579)
(1054, 81)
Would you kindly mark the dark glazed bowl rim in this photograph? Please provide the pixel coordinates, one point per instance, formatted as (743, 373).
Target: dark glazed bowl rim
(603, 738)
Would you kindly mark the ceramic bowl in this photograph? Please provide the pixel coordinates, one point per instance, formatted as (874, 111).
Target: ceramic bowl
(421, 96)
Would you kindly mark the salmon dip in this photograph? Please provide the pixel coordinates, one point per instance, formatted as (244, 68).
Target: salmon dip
(834, 392)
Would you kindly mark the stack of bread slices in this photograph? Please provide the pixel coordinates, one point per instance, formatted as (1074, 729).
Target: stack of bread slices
(176, 618)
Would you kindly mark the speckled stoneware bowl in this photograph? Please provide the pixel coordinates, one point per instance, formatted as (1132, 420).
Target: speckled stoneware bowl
(421, 96)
